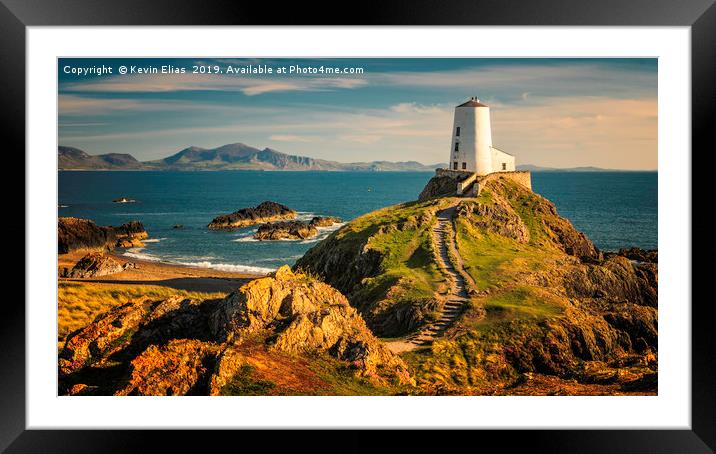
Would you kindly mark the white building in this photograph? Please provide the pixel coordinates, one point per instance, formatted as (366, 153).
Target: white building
(471, 148)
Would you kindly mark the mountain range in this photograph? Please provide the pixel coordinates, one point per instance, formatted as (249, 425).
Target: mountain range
(235, 156)
(239, 156)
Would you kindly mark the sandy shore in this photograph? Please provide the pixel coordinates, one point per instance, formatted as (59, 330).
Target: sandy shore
(164, 274)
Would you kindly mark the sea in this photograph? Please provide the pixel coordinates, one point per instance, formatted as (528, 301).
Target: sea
(614, 209)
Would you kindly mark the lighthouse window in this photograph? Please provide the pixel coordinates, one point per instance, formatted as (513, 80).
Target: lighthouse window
(504, 166)
(457, 146)
(454, 165)
(464, 165)
(457, 133)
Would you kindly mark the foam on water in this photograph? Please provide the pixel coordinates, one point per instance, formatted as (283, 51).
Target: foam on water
(230, 267)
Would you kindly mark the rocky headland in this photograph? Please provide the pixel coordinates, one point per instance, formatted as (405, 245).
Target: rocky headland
(543, 300)
(83, 234)
(293, 230)
(262, 213)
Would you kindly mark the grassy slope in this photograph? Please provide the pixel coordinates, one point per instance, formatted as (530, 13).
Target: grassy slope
(514, 311)
(409, 274)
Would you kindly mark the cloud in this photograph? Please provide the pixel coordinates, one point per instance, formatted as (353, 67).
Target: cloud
(406, 107)
(294, 138)
(365, 139)
(548, 114)
(546, 79)
(247, 84)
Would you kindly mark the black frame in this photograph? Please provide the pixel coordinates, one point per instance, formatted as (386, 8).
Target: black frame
(700, 15)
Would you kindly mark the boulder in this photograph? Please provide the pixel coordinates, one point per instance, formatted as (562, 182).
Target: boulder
(305, 315)
(95, 264)
(264, 212)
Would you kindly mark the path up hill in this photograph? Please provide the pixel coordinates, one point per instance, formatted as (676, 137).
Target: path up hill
(539, 297)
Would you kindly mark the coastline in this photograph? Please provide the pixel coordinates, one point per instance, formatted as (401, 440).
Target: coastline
(180, 277)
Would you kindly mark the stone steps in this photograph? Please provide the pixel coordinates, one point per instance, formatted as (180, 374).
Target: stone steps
(457, 298)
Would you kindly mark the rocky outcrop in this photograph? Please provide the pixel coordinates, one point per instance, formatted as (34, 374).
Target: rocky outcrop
(324, 221)
(77, 234)
(439, 186)
(179, 368)
(616, 280)
(182, 347)
(124, 200)
(130, 234)
(264, 212)
(109, 333)
(305, 315)
(637, 254)
(293, 230)
(498, 218)
(285, 230)
(96, 264)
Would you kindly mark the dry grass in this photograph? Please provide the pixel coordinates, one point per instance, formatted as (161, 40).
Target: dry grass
(80, 302)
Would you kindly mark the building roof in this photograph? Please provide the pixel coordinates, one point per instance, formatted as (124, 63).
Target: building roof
(473, 102)
(503, 152)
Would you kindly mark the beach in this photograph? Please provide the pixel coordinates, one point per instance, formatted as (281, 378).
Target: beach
(179, 277)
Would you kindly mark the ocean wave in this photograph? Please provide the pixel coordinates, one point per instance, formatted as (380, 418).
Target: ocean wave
(305, 215)
(151, 213)
(280, 259)
(230, 267)
(245, 239)
(153, 240)
(332, 228)
(136, 253)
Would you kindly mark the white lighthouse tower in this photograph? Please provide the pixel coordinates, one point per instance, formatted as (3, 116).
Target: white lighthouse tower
(471, 148)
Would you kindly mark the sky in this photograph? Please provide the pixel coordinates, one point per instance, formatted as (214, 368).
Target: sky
(547, 112)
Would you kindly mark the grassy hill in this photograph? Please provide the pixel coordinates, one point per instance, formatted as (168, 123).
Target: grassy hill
(547, 302)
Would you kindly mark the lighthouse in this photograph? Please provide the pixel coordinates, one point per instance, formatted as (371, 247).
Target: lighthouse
(471, 147)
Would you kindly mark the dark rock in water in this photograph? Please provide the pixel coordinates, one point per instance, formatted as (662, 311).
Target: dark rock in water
(294, 230)
(178, 226)
(130, 234)
(95, 264)
(124, 200)
(75, 234)
(264, 212)
(638, 254)
(324, 221)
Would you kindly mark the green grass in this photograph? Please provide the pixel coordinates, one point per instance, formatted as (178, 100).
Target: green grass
(409, 274)
(341, 380)
(477, 358)
(242, 384)
(493, 260)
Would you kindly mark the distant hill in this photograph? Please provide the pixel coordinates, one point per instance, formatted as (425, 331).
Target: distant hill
(74, 158)
(534, 168)
(235, 156)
